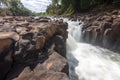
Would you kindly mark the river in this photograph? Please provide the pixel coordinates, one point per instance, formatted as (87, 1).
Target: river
(88, 62)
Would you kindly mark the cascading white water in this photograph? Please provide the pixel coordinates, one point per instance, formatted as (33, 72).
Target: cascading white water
(88, 62)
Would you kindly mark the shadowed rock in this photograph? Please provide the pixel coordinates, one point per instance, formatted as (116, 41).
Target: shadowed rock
(6, 60)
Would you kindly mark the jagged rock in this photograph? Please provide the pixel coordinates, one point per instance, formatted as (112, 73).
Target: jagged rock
(21, 30)
(55, 64)
(60, 45)
(106, 30)
(21, 53)
(61, 30)
(50, 29)
(39, 50)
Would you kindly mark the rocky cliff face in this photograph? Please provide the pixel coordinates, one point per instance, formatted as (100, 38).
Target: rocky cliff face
(33, 49)
(103, 29)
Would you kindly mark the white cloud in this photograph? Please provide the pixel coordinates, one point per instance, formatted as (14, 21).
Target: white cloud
(36, 5)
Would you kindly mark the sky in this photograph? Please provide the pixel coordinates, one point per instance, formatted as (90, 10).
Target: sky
(36, 5)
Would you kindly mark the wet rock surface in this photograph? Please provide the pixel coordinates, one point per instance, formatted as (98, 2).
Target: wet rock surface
(103, 29)
(33, 49)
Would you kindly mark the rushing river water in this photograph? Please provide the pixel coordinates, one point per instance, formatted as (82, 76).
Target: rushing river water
(88, 62)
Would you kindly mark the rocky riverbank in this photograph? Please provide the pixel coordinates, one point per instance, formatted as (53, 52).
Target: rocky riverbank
(33, 49)
(103, 29)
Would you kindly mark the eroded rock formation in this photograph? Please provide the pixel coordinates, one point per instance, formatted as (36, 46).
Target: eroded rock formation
(33, 49)
(103, 29)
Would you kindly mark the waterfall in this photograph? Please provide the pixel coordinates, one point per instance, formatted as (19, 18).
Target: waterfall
(88, 62)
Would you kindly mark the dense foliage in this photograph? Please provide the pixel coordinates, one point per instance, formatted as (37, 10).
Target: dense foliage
(14, 7)
(74, 6)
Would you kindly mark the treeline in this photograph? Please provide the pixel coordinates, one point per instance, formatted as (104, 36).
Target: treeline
(14, 8)
(73, 6)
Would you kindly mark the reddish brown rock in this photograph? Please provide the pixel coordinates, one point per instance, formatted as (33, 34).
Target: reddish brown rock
(55, 62)
(44, 75)
(52, 68)
(48, 29)
(40, 42)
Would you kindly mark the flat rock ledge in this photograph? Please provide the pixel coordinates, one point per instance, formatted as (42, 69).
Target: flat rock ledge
(33, 48)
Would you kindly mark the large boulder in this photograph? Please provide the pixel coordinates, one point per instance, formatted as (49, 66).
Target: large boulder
(6, 60)
(55, 62)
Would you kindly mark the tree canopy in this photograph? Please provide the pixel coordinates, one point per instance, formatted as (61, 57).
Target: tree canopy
(74, 6)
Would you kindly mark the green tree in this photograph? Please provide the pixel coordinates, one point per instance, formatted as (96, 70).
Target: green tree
(15, 7)
(75, 6)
